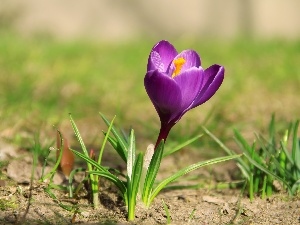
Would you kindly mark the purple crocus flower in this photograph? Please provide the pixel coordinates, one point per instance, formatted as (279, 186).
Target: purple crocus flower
(177, 83)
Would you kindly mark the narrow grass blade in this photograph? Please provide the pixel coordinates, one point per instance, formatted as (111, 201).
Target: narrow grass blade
(175, 149)
(263, 189)
(55, 167)
(246, 148)
(167, 212)
(295, 187)
(78, 136)
(45, 162)
(278, 164)
(287, 154)
(246, 173)
(186, 170)
(243, 165)
(105, 140)
(89, 161)
(152, 172)
(271, 152)
(242, 141)
(66, 207)
(120, 140)
(120, 184)
(269, 148)
(71, 177)
(251, 188)
(94, 181)
(116, 145)
(262, 168)
(191, 216)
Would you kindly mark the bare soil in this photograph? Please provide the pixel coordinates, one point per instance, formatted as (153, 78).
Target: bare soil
(207, 204)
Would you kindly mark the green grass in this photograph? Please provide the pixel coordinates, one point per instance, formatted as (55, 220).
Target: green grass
(6, 204)
(42, 80)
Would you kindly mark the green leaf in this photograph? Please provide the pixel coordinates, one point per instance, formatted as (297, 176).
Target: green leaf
(54, 168)
(131, 154)
(71, 177)
(102, 171)
(295, 147)
(246, 148)
(66, 207)
(122, 146)
(245, 172)
(241, 164)
(295, 187)
(152, 172)
(120, 184)
(133, 185)
(77, 134)
(186, 170)
(89, 161)
(167, 212)
(243, 143)
(273, 163)
(283, 144)
(115, 144)
(182, 145)
(269, 152)
(105, 140)
(136, 175)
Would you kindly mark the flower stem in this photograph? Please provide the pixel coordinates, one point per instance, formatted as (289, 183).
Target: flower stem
(163, 133)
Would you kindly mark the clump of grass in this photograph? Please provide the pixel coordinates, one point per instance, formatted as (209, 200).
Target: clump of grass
(269, 159)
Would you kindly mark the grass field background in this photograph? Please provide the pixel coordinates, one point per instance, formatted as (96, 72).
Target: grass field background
(42, 80)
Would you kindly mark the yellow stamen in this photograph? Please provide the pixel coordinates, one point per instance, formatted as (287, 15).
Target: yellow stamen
(178, 63)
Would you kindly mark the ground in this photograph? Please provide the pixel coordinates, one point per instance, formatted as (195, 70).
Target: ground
(208, 203)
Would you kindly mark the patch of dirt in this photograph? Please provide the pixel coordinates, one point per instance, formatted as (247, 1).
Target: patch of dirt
(25, 204)
(185, 207)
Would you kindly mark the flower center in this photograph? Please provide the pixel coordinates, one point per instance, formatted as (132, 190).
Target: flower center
(178, 63)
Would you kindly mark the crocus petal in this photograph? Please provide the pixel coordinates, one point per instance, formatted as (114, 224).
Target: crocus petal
(190, 82)
(161, 56)
(212, 80)
(164, 93)
(191, 58)
(177, 83)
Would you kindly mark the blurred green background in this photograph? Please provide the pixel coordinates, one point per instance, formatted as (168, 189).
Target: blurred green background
(83, 58)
